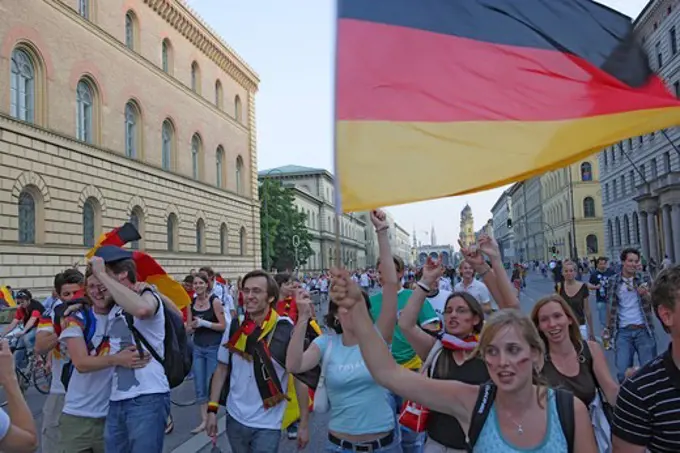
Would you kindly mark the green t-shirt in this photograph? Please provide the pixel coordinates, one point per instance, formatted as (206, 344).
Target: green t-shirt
(401, 349)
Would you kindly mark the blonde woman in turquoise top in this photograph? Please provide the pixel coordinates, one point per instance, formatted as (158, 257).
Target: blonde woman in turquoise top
(523, 415)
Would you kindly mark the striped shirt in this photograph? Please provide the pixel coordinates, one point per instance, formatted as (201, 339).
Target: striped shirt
(647, 411)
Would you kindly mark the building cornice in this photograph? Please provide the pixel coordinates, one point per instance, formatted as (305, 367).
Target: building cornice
(189, 24)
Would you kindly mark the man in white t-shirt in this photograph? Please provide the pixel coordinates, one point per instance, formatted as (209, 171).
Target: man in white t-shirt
(437, 298)
(85, 340)
(474, 287)
(252, 425)
(66, 285)
(140, 398)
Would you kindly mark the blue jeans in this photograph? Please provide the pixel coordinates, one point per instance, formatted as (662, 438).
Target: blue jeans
(26, 344)
(409, 440)
(628, 342)
(205, 362)
(137, 425)
(332, 448)
(602, 314)
(244, 439)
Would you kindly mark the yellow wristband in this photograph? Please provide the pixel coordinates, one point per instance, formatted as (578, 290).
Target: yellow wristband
(213, 404)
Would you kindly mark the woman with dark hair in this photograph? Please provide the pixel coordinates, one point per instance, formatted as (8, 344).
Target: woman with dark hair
(450, 355)
(361, 418)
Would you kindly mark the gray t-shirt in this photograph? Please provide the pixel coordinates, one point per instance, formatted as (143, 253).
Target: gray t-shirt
(4, 424)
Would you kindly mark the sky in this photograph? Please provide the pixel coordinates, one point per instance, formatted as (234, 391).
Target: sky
(290, 45)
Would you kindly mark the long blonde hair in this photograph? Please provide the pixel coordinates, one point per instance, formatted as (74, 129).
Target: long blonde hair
(526, 328)
(574, 331)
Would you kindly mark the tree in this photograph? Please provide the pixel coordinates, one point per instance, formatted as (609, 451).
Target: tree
(282, 221)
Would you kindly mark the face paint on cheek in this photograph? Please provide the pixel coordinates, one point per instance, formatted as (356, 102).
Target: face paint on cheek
(523, 361)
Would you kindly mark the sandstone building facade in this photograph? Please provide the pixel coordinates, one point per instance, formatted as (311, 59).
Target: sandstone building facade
(123, 110)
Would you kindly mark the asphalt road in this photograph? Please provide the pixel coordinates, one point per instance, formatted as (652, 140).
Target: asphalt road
(186, 418)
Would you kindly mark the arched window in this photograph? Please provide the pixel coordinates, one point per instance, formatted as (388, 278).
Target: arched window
(610, 233)
(239, 175)
(588, 207)
(195, 156)
(586, 171)
(132, 130)
(626, 229)
(130, 30)
(84, 8)
(237, 108)
(636, 228)
(173, 227)
(137, 220)
(219, 158)
(90, 209)
(242, 241)
(591, 244)
(219, 97)
(224, 235)
(168, 136)
(617, 222)
(27, 217)
(84, 111)
(200, 236)
(22, 86)
(166, 56)
(195, 78)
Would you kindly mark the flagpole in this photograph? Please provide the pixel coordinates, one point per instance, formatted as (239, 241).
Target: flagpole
(336, 173)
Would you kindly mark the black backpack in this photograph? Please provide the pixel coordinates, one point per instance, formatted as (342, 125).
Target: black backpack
(178, 352)
(487, 394)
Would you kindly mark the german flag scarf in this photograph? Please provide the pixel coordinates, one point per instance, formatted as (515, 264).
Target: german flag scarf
(250, 342)
(288, 308)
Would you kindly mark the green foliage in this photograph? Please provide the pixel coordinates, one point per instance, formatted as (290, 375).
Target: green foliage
(280, 218)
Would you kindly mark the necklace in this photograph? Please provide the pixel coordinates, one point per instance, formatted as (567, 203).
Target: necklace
(520, 428)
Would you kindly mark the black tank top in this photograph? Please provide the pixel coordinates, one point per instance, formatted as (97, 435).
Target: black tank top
(582, 385)
(203, 336)
(444, 428)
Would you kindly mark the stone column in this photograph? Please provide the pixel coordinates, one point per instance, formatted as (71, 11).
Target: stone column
(675, 222)
(645, 235)
(667, 232)
(653, 242)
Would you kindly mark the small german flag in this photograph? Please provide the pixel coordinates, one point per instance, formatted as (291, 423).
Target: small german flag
(118, 237)
(446, 97)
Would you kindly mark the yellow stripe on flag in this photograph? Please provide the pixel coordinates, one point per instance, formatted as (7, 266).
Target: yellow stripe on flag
(382, 163)
(93, 250)
(7, 295)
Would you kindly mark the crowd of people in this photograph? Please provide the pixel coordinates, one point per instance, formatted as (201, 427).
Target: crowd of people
(425, 364)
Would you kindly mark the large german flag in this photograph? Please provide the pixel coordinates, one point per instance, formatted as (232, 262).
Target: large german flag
(445, 97)
(118, 237)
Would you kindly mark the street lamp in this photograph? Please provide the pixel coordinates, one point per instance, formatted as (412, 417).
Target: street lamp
(296, 244)
(266, 213)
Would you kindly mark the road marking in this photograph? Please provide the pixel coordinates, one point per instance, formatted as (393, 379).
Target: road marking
(198, 441)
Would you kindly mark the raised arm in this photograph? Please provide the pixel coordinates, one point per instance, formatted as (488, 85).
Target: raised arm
(420, 341)
(387, 320)
(297, 359)
(139, 306)
(449, 397)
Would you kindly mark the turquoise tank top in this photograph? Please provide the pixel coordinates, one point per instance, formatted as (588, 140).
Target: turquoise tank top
(491, 438)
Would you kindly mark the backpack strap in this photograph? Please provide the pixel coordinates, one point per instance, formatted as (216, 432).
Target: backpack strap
(485, 398)
(139, 338)
(564, 400)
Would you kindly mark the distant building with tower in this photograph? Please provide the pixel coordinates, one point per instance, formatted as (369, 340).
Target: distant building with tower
(422, 251)
(467, 226)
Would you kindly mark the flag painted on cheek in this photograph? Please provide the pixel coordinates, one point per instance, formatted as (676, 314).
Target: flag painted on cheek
(444, 97)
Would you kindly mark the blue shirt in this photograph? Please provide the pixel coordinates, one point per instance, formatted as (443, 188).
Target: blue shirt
(358, 404)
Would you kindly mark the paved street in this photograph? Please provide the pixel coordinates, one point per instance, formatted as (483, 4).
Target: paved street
(186, 418)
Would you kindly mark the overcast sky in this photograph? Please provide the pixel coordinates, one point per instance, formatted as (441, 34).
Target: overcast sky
(290, 45)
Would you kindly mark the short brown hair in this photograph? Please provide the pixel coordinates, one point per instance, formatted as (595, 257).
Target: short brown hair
(665, 290)
(208, 270)
(272, 287)
(398, 263)
(118, 267)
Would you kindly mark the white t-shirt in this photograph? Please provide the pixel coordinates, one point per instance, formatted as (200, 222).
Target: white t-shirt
(479, 291)
(438, 302)
(128, 383)
(445, 284)
(629, 312)
(225, 298)
(58, 356)
(244, 402)
(88, 393)
(365, 282)
(5, 424)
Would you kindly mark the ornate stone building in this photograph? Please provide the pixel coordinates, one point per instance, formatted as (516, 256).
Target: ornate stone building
(467, 226)
(315, 196)
(641, 175)
(123, 110)
(504, 234)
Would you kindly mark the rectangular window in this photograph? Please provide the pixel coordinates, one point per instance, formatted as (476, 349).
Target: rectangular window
(654, 169)
(659, 56)
(673, 39)
(667, 161)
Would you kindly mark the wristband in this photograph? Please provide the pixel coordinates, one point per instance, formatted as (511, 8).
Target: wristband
(204, 323)
(383, 228)
(424, 287)
(486, 271)
(213, 407)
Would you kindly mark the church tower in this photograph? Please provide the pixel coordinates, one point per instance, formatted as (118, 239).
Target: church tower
(467, 226)
(433, 236)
